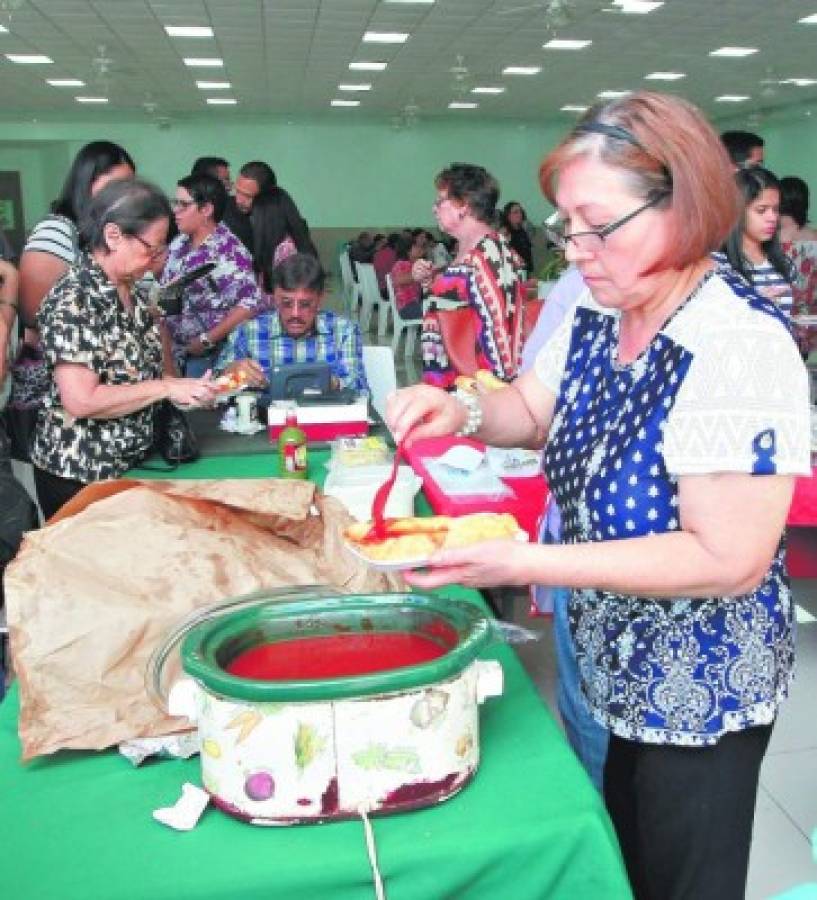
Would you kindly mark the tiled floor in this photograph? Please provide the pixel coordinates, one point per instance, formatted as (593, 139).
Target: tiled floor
(786, 811)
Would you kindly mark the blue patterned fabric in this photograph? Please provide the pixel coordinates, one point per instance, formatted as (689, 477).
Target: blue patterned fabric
(682, 671)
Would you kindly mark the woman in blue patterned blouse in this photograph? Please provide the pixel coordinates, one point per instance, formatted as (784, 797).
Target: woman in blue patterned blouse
(674, 409)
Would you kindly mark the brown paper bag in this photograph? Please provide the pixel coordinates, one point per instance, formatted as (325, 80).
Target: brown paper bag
(90, 596)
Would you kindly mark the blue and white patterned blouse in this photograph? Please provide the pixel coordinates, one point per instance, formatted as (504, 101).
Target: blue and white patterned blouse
(721, 388)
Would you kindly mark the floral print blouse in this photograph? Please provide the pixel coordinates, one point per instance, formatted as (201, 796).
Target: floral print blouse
(82, 320)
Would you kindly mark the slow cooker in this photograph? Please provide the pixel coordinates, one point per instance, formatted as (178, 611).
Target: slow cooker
(314, 706)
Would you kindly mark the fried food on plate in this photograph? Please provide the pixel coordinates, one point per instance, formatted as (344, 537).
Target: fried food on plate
(417, 537)
(232, 381)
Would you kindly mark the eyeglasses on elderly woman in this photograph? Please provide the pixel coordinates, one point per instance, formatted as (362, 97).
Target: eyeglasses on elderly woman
(592, 241)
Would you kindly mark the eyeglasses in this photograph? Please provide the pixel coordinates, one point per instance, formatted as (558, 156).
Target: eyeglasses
(181, 204)
(592, 241)
(289, 305)
(153, 252)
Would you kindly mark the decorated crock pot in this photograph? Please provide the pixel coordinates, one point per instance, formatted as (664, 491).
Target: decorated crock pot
(320, 707)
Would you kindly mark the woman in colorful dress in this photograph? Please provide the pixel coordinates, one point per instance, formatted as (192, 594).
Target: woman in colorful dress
(673, 406)
(799, 242)
(753, 248)
(486, 277)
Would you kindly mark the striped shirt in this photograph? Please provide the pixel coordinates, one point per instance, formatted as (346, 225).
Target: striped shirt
(766, 281)
(335, 340)
(56, 236)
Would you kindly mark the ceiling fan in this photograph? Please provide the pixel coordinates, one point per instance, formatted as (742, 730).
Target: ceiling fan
(557, 13)
(460, 74)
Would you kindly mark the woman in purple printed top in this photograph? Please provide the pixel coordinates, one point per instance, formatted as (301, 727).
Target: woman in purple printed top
(217, 303)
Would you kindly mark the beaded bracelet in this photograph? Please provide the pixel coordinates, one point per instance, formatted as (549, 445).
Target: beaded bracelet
(474, 409)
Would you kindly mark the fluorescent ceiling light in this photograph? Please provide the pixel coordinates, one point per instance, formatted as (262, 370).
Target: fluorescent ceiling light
(809, 20)
(354, 87)
(3, 29)
(29, 59)
(665, 76)
(65, 82)
(344, 102)
(368, 66)
(799, 82)
(612, 95)
(203, 62)
(213, 85)
(385, 37)
(570, 107)
(221, 101)
(521, 70)
(731, 98)
(488, 90)
(561, 44)
(637, 6)
(91, 99)
(193, 31)
(734, 51)
(458, 104)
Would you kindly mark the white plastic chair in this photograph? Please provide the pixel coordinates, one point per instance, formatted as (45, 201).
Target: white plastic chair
(370, 299)
(378, 363)
(351, 290)
(410, 326)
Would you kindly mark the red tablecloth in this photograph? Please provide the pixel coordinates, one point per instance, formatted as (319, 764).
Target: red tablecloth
(801, 535)
(527, 502)
(803, 509)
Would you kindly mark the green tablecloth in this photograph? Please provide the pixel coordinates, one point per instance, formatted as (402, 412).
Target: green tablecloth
(78, 826)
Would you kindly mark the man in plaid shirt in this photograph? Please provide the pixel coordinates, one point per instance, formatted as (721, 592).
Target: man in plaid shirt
(297, 330)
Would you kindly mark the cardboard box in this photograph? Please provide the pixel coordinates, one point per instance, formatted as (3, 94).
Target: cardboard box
(322, 422)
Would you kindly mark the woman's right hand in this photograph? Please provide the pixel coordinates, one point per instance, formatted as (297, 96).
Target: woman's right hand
(191, 391)
(425, 411)
(422, 271)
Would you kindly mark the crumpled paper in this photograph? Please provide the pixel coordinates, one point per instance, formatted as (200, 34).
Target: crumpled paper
(90, 596)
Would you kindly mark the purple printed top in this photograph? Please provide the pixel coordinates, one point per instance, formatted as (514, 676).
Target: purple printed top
(208, 300)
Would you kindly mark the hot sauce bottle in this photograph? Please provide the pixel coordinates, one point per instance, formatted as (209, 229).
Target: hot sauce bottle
(292, 447)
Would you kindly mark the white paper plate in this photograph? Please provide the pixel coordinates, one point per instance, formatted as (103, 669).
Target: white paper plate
(397, 565)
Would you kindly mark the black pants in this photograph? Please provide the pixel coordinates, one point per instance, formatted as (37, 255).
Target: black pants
(54, 491)
(684, 816)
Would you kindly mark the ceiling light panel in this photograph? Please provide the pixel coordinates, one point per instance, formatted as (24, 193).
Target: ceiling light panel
(204, 62)
(189, 31)
(354, 87)
(221, 101)
(637, 7)
(65, 82)
(612, 95)
(213, 85)
(809, 20)
(3, 29)
(91, 99)
(344, 102)
(521, 70)
(734, 52)
(29, 59)
(385, 37)
(570, 107)
(562, 44)
(458, 104)
(367, 66)
(488, 90)
(732, 98)
(665, 76)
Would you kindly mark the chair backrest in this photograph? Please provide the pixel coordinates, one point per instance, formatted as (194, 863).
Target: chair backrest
(367, 279)
(346, 270)
(397, 318)
(378, 362)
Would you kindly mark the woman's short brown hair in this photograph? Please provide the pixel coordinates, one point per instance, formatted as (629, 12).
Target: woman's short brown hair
(665, 145)
(467, 183)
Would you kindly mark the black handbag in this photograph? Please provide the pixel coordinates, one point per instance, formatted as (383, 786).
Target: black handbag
(173, 436)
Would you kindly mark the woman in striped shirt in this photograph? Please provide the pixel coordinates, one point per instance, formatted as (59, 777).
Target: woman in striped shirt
(753, 248)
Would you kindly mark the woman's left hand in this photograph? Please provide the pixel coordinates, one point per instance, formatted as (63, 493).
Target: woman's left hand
(192, 391)
(489, 564)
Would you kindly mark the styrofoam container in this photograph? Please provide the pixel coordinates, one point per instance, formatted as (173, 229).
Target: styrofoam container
(355, 487)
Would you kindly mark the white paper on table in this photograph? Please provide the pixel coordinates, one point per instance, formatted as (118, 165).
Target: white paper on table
(462, 457)
(457, 482)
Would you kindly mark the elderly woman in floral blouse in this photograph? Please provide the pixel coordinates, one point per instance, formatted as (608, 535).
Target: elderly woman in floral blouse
(104, 350)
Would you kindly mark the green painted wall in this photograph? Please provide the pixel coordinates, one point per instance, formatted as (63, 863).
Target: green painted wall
(342, 174)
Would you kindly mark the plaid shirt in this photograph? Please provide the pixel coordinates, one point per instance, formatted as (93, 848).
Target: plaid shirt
(335, 340)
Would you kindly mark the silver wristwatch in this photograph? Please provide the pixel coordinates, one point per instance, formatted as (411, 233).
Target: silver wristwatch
(474, 408)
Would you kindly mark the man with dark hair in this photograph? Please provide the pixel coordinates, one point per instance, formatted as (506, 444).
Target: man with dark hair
(216, 166)
(214, 305)
(745, 148)
(254, 177)
(297, 330)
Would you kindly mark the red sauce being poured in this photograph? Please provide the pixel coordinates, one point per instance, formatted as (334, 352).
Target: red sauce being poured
(334, 656)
